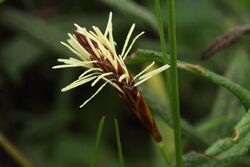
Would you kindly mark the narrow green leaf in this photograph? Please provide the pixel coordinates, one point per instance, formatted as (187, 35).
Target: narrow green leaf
(174, 82)
(236, 145)
(14, 152)
(223, 116)
(225, 151)
(98, 139)
(195, 159)
(224, 103)
(243, 94)
(118, 142)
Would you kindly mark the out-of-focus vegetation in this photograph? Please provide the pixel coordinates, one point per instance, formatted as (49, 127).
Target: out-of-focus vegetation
(48, 127)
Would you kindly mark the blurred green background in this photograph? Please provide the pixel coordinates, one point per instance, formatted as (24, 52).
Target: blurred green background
(48, 126)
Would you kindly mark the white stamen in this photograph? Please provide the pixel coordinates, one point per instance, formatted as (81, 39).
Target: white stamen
(141, 81)
(71, 62)
(143, 71)
(75, 84)
(102, 45)
(154, 72)
(130, 46)
(69, 66)
(93, 95)
(71, 49)
(78, 27)
(113, 84)
(111, 39)
(106, 42)
(123, 76)
(109, 24)
(100, 77)
(77, 46)
(127, 39)
(103, 50)
(87, 35)
(88, 71)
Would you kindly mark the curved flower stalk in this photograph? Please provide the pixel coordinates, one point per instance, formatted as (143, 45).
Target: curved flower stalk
(97, 54)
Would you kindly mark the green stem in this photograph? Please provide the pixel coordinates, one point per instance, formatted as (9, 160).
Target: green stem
(118, 141)
(98, 139)
(173, 86)
(163, 43)
(240, 92)
(174, 82)
(14, 152)
(142, 55)
(161, 32)
(165, 61)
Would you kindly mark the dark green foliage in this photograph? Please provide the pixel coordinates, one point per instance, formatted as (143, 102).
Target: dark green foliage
(48, 127)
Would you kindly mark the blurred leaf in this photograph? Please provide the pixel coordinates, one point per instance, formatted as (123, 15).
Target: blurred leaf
(118, 143)
(235, 146)
(243, 94)
(98, 140)
(160, 108)
(223, 116)
(130, 7)
(13, 62)
(225, 151)
(34, 27)
(194, 159)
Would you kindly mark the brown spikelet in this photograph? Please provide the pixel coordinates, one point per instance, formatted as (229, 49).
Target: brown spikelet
(96, 53)
(224, 41)
(130, 93)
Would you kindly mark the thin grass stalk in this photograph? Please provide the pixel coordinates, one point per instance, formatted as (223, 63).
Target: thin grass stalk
(163, 42)
(165, 61)
(14, 152)
(118, 142)
(98, 139)
(174, 81)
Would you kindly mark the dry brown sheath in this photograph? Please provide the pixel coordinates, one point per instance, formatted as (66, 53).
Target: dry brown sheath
(225, 41)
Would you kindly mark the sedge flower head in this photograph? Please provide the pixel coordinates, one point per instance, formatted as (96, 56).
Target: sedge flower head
(97, 54)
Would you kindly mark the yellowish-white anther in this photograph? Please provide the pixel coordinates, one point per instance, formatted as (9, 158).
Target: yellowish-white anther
(130, 46)
(127, 39)
(94, 94)
(154, 72)
(100, 77)
(143, 71)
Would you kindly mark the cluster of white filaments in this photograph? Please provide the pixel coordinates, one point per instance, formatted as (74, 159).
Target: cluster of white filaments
(103, 46)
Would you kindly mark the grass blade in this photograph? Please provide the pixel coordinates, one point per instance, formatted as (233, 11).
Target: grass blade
(224, 152)
(174, 85)
(118, 141)
(223, 116)
(14, 152)
(98, 139)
